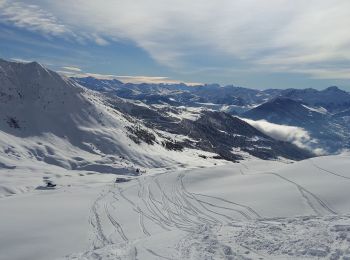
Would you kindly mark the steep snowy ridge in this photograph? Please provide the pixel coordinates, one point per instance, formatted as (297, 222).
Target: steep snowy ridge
(49, 118)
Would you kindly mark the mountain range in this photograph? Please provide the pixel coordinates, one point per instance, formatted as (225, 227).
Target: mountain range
(324, 114)
(55, 120)
(333, 99)
(116, 126)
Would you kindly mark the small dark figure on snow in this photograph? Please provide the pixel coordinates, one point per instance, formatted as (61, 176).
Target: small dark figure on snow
(121, 180)
(49, 184)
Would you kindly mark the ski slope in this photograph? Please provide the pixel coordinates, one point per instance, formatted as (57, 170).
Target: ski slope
(250, 210)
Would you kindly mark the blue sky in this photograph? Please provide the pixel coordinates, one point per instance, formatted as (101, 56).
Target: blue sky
(251, 43)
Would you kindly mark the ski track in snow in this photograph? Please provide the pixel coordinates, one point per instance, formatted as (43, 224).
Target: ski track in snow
(327, 171)
(171, 209)
(162, 204)
(309, 196)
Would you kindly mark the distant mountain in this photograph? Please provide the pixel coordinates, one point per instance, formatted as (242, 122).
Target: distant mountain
(308, 108)
(333, 99)
(174, 94)
(331, 132)
(230, 95)
(99, 84)
(286, 111)
(231, 98)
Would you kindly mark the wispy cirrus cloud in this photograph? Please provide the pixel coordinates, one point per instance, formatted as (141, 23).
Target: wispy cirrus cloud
(326, 73)
(308, 37)
(262, 33)
(72, 69)
(126, 78)
(154, 80)
(31, 17)
(20, 60)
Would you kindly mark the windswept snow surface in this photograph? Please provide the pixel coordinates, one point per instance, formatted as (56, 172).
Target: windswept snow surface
(250, 210)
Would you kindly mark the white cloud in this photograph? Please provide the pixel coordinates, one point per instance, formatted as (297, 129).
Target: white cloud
(292, 134)
(76, 69)
(330, 73)
(20, 60)
(31, 17)
(99, 40)
(126, 79)
(155, 80)
(274, 35)
(294, 31)
(34, 17)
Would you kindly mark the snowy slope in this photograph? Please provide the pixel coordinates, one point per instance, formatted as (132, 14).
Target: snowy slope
(49, 118)
(251, 210)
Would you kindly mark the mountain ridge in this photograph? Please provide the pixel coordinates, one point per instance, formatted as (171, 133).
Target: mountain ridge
(332, 98)
(51, 119)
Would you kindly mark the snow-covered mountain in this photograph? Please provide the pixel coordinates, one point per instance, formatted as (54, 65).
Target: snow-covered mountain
(238, 98)
(286, 111)
(316, 111)
(179, 94)
(49, 118)
(332, 98)
(330, 132)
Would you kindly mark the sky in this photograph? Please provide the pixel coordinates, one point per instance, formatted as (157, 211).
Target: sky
(250, 43)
